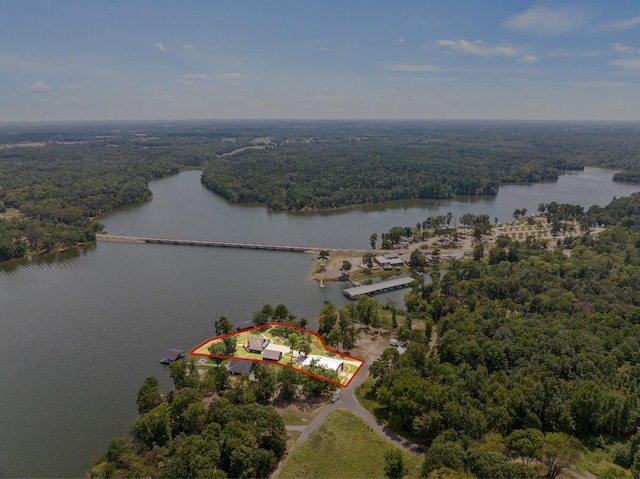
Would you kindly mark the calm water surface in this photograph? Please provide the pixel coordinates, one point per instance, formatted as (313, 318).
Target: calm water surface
(80, 331)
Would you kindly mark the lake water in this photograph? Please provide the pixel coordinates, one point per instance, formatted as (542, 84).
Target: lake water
(80, 331)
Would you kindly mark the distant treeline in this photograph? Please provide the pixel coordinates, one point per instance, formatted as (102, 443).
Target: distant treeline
(60, 176)
(321, 176)
(329, 167)
(60, 185)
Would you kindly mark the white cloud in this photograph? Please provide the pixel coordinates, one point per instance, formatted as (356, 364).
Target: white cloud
(188, 46)
(400, 40)
(316, 44)
(232, 78)
(39, 86)
(195, 76)
(547, 20)
(576, 54)
(619, 48)
(192, 78)
(160, 47)
(412, 68)
(528, 58)
(478, 48)
(63, 101)
(619, 25)
(627, 63)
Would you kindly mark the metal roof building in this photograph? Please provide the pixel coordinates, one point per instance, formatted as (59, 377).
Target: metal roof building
(324, 362)
(377, 287)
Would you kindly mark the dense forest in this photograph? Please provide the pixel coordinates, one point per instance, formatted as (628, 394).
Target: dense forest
(537, 354)
(56, 178)
(330, 166)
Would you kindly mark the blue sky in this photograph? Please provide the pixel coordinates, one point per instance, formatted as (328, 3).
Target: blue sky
(493, 59)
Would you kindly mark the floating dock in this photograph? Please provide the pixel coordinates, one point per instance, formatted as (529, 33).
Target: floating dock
(381, 287)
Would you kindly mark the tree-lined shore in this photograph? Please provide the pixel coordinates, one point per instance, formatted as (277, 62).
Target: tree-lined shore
(55, 179)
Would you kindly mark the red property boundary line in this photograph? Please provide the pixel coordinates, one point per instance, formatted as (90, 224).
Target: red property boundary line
(267, 325)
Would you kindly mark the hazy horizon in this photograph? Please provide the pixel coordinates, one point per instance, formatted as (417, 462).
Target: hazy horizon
(73, 60)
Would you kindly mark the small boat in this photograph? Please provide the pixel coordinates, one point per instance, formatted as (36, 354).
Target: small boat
(172, 355)
(321, 284)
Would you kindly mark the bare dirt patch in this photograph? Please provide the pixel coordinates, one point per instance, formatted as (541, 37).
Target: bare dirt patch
(331, 271)
(369, 346)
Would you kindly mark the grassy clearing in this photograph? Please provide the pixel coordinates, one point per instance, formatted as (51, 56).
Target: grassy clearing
(10, 213)
(344, 446)
(599, 463)
(263, 139)
(292, 438)
(292, 415)
(363, 395)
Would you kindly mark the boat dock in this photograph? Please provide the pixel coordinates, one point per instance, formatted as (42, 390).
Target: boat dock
(375, 288)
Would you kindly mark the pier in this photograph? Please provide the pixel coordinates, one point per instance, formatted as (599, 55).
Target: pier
(377, 287)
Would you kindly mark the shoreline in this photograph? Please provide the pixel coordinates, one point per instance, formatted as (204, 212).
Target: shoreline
(517, 232)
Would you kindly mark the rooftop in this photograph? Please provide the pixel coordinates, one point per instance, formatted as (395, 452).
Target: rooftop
(378, 287)
(238, 366)
(323, 362)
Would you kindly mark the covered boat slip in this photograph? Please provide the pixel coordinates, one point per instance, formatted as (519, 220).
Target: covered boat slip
(377, 287)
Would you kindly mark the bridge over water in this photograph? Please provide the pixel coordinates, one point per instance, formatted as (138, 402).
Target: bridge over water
(218, 244)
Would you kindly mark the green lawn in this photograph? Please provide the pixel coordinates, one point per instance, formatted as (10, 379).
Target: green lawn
(268, 332)
(344, 447)
(364, 397)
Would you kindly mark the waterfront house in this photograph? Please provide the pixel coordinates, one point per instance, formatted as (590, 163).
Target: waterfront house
(272, 355)
(256, 344)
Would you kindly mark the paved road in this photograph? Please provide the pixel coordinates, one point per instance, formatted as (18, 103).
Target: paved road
(349, 402)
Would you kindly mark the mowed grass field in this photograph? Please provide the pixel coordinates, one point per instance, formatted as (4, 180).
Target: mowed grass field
(344, 447)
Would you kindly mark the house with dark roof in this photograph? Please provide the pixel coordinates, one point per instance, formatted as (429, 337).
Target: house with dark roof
(272, 355)
(256, 344)
(239, 367)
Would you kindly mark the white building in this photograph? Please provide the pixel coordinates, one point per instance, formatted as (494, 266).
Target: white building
(332, 364)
